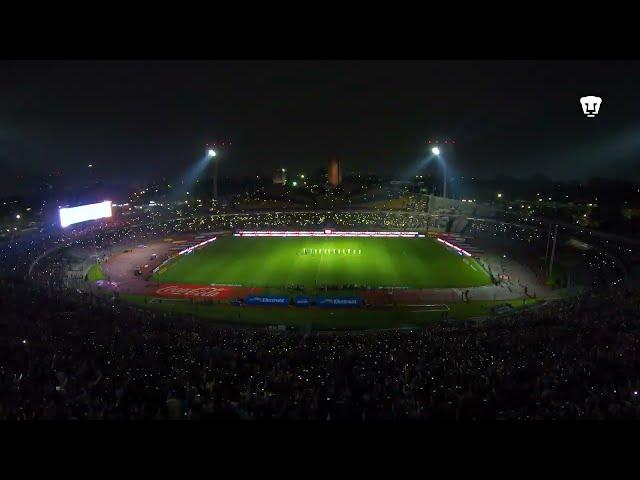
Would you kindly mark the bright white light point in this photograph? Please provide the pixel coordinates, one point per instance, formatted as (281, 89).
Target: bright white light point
(435, 151)
(295, 184)
(211, 152)
(90, 165)
(499, 195)
(18, 216)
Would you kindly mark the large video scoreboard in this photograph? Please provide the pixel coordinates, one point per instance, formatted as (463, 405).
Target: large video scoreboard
(83, 213)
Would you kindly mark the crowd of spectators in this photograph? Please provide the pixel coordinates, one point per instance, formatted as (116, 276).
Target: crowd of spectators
(600, 264)
(68, 354)
(71, 355)
(17, 254)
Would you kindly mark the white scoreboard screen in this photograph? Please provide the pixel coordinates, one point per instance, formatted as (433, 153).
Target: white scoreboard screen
(93, 211)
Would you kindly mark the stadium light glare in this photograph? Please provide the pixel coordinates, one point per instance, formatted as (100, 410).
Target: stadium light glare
(435, 151)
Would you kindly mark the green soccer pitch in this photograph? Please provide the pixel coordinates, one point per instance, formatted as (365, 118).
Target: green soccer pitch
(375, 262)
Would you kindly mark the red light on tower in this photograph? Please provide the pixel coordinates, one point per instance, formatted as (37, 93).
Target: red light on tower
(446, 141)
(219, 144)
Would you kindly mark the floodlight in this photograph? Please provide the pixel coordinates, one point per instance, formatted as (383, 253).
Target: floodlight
(211, 152)
(435, 151)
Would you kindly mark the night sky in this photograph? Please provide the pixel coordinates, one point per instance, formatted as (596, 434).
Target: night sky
(147, 119)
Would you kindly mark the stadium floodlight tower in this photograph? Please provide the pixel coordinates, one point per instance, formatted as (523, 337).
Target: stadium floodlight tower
(211, 153)
(436, 151)
(213, 150)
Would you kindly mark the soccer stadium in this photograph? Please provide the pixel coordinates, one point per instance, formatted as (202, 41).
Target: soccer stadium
(222, 285)
(368, 270)
(365, 270)
(315, 261)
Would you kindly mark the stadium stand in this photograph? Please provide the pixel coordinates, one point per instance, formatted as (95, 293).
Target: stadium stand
(69, 354)
(78, 356)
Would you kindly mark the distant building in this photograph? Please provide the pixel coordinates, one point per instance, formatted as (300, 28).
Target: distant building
(334, 172)
(280, 177)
